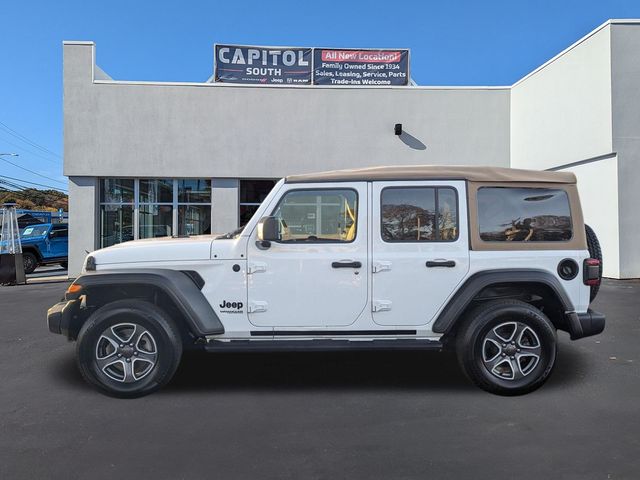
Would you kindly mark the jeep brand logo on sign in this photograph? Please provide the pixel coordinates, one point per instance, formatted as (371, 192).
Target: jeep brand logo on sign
(231, 307)
(265, 65)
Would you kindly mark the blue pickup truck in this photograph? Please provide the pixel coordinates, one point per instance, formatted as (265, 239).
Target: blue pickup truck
(44, 244)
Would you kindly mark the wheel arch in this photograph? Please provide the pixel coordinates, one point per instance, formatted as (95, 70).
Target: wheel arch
(537, 287)
(177, 292)
(34, 250)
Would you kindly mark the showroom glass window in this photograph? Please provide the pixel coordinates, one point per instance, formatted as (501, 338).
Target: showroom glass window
(507, 214)
(194, 206)
(419, 214)
(313, 216)
(155, 209)
(117, 197)
(252, 194)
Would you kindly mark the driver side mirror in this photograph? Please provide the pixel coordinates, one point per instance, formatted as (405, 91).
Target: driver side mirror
(268, 231)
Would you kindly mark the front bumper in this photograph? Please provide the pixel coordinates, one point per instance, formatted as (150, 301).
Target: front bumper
(60, 317)
(586, 324)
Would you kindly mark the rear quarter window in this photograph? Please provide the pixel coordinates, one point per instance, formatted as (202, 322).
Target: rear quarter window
(508, 214)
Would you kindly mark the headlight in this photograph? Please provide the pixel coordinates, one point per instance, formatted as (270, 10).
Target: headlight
(89, 264)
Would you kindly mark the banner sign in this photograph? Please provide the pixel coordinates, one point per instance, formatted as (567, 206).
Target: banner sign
(360, 67)
(262, 65)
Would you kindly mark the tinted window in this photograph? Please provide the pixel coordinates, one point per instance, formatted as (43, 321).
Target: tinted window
(156, 191)
(419, 214)
(194, 190)
(61, 232)
(116, 190)
(524, 214)
(318, 215)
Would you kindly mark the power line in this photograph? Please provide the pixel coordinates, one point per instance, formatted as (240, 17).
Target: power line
(11, 131)
(31, 171)
(34, 183)
(56, 162)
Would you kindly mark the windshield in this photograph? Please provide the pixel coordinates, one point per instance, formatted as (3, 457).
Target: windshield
(34, 231)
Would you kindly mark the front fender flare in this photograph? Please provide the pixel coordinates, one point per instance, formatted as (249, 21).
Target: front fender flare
(178, 286)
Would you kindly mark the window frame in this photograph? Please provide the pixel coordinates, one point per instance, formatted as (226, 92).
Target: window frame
(251, 204)
(436, 208)
(322, 242)
(522, 242)
(137, 203)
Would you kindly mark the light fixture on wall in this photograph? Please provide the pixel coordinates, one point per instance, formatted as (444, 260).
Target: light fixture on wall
(397, 129)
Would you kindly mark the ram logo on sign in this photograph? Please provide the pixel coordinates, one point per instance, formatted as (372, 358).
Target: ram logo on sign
(262, 65)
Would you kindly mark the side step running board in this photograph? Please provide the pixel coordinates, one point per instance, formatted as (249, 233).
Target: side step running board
(319, 345)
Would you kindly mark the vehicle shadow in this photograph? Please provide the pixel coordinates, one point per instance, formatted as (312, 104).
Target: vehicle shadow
(320, 370)
(348, 371)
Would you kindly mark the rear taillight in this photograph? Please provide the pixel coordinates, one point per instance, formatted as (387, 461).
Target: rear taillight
(591, 271)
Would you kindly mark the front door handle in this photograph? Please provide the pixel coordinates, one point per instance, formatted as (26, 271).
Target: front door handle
(346, 264)
(441, 263)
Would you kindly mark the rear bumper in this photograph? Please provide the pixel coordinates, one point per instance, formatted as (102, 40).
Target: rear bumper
(586, 324)
(61, 316)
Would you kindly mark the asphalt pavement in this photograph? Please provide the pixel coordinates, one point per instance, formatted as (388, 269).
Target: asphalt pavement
(319, 415)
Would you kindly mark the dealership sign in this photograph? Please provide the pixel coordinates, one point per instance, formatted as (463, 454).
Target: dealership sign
(360, 67)
(305, 66)
(262, 65)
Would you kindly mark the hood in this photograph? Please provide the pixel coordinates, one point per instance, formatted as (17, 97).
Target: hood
(165, 249)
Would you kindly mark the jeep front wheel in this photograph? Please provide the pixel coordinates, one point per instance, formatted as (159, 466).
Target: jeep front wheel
(29, 261)
(128, 348)
(507, 347)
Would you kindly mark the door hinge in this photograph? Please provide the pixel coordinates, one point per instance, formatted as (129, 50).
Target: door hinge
(257, 267)
(381, 305)
(381, 267)
(255, 307)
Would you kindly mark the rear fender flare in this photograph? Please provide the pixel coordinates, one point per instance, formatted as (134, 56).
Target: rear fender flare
(452, 312)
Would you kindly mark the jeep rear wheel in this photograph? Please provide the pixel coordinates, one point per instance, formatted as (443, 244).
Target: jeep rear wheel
(128, 348)
(507, 347)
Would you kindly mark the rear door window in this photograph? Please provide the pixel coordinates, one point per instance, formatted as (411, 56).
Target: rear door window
(419, 214)
(507, 214)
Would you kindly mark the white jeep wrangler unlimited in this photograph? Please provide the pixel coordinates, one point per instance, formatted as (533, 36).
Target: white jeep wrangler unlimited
(489, 261)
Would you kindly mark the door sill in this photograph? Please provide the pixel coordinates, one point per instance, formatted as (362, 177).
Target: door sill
(331, 333)
(320, 345)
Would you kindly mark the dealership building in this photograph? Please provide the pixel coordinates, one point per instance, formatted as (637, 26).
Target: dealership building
(149, 159)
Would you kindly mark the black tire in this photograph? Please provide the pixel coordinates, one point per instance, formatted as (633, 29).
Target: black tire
(30, 262)
(146, 316)
(64, 265)
(593, 245)
(480, 324)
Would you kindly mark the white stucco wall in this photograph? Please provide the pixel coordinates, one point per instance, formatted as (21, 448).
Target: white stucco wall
(625, 46)
(83, 225)
(561, 112)
(209, 130)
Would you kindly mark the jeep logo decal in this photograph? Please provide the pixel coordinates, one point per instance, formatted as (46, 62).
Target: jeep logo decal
(231, 307)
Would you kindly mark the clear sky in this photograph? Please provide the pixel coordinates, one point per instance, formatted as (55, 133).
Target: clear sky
(452, 43)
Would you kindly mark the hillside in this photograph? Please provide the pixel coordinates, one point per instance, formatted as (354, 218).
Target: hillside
(34, 199)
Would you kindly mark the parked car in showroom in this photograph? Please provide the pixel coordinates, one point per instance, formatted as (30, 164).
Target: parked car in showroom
(488, 261)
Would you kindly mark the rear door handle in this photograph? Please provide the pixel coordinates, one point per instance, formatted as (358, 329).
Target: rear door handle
(441, 263)
(346, 264)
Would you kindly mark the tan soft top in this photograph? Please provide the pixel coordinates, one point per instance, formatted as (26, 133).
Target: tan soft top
(436, 172)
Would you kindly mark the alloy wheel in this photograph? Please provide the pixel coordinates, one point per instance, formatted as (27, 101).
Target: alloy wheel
(511, 350)
(126, 352)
